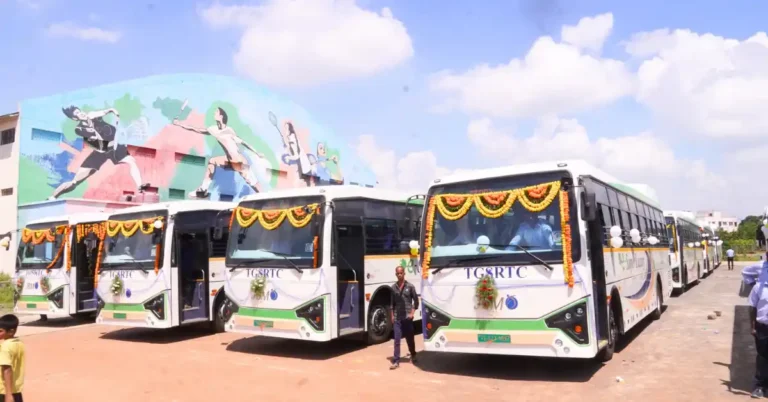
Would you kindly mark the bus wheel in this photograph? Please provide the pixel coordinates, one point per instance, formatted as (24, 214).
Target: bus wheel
(218, 323)
(698, 270)
(684, 279)
(43, 317)
(613, 335)
(659, 300)
(379, 324)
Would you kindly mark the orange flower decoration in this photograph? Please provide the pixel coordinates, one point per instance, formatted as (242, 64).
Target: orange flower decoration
(538, 191)
(454, 201)
(495, 199)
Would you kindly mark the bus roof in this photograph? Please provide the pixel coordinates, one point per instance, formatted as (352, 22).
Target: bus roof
(73, 219)
(683, 215)
(577, 167)
(175, 207)
(337, 192)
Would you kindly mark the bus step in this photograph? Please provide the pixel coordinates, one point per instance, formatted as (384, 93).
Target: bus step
(349, 331)
(343, 316)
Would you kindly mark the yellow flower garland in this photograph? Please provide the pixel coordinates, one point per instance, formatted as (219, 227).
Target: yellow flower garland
(84, 229)
(271, 219)
(533, 198)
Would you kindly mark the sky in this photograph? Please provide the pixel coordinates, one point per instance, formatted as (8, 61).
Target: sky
(671, 94)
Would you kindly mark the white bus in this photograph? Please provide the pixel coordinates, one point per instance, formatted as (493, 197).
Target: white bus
(551, 259)
(55, 266)
(685, 251)
(317, 263)
(159, 265)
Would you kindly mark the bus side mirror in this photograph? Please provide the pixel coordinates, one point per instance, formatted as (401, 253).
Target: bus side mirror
(218, 232)
(157, 237)
(588, 206)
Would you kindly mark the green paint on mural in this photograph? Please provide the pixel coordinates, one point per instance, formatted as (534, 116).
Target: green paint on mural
(31, 190)
(333, 168)
(130, 109)
(171, 108)
(243, 131)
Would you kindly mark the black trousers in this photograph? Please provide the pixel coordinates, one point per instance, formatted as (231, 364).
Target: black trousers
(16, 397)
(761, 365)
(404, 329)
(730, 263)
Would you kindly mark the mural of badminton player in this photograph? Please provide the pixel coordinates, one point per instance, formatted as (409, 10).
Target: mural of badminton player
(320, 165)
(293, 154)
(100, 136)
(232, 158)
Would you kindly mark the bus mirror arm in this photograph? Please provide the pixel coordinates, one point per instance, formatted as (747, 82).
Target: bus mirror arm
(588, 206)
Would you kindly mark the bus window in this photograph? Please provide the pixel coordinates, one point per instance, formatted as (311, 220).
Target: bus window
(613, 198)
(219, 247)
(381, 237)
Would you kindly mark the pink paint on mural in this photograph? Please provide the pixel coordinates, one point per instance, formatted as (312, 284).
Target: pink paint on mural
(157, 160)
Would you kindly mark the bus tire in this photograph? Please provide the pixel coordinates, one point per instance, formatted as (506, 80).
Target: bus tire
(43, 317)
(606, 354)
(698, 270)
(659, 300)
(378, 330)
(217, 323)
(684, 279)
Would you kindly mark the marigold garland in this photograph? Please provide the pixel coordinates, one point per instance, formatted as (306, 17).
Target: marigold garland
(566, 238)
(315, 243)
(128, 228)
(271, 219)
(45, 284)
(61, 249)
(82, 230)
(430, 224)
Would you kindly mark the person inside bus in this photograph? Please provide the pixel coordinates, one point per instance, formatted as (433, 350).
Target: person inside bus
(459, 230)
(533, 233)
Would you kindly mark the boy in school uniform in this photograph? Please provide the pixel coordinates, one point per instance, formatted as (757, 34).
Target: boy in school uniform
(11, 360)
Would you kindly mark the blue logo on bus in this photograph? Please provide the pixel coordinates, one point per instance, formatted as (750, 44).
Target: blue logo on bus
(128, 293)
(273, 294)
(36, 285)
(511, 302)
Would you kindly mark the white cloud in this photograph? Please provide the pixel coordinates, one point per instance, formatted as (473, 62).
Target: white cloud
(703, 83)
(642, 158)
(309, 42)
(552, 78)
(413, 172)
(590, 33)
(91, 34)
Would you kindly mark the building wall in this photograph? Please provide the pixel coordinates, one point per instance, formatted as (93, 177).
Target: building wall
(718, 220)
(9, 177)
(174, 160)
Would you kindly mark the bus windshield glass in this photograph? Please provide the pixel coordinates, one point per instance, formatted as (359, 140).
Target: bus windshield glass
(135, 251)
(671, 231)
(505, 239)
(43, 246)
(264, 242)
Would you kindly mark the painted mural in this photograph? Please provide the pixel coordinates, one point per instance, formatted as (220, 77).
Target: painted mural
(175, 137)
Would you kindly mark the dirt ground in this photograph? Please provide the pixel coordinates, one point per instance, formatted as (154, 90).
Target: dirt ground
(682, 357)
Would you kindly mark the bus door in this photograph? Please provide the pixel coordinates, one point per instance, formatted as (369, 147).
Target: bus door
(192, 248)
(597, 235)
(84, 255)
(349, 251)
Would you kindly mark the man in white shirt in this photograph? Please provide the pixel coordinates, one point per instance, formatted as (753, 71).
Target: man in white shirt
(232, 158)
(533, 233)
(730, 254)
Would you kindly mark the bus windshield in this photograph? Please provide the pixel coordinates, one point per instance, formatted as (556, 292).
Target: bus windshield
(459, 242)
(671, 230)
(40, 255)
(288, 243)
(135, 251)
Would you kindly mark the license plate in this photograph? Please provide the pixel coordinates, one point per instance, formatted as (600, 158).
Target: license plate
(31, 305)
(263, 324)
(119, 316)
(490, 338)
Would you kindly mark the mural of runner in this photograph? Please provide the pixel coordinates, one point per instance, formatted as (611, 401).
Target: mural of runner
(233, 159)
(100, 136)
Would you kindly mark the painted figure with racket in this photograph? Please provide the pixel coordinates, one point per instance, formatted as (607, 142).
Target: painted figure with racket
(232, 158)
(293, 154)
(101, 137)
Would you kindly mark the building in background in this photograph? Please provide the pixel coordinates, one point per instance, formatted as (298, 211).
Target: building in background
(160, 138)
(717, 220)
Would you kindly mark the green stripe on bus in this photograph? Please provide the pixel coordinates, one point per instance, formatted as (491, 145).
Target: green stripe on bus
(495, 325)
(123, 307)
(33, 298)
(119, 316)
(31, 305)
(267, 313)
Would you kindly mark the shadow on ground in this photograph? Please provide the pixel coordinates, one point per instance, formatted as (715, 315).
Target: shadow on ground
(296, 349)
(743, 354)
(65, 322)
(159, 336)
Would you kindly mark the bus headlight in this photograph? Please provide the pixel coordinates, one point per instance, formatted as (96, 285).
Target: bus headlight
(313, 313)
(676, 274)
(573, 322)
(432, 320)
(157, 306)
(228, 308)
(57, 298)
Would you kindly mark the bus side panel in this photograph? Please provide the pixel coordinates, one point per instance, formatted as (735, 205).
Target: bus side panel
(34, 300)
(633, 272)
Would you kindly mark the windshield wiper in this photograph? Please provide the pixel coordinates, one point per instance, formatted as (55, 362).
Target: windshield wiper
(285, 257)
(243, 262)
(141, 266)
(536, 258)
(455, 263)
